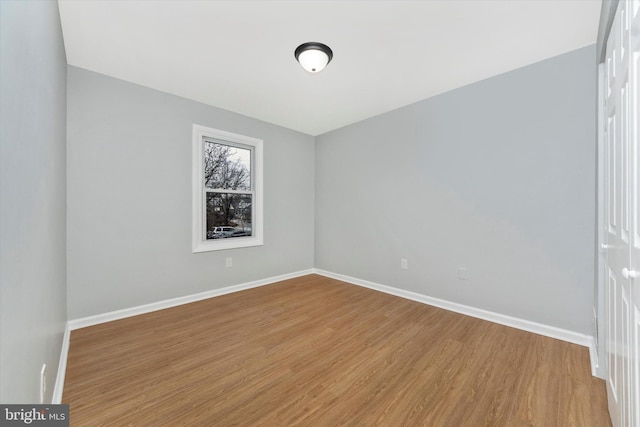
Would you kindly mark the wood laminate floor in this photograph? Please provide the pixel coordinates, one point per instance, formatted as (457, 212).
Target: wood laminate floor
(314, 351)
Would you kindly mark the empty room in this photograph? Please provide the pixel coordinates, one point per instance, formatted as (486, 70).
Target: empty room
(320, 213)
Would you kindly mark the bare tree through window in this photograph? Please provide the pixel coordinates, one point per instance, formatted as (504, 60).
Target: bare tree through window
(228, 186)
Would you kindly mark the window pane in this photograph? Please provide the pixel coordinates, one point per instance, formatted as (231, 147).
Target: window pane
(226, 167)
(229, 215)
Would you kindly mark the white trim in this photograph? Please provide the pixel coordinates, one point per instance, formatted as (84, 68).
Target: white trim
(593, 356)
(199, 244)
(62, 367)
(599, 294)
(147, 308)
(514, 322)
(537, 328)
(161, 305)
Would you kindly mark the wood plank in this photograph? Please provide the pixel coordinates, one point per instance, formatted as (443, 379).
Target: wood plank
(317, 351)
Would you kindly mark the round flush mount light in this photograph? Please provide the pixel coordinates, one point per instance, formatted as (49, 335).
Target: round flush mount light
(313, 56)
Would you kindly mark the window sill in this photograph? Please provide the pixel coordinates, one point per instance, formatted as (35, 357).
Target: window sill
(224, 244)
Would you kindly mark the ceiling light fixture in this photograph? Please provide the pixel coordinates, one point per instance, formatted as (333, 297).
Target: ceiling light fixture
(313, 56)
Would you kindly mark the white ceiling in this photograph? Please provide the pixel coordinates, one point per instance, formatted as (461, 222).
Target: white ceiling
(238, 55)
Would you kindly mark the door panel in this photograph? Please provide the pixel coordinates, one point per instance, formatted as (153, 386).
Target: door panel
(621, 185)
(612, 350)
(633, 34)
(622, 214)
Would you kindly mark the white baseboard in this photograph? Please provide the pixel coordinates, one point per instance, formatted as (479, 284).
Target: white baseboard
(514, 322)
(147, 308)
(161, 305)
(545, 330)
(62, 367)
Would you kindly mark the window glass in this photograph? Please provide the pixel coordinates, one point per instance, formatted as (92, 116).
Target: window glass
(227, 190)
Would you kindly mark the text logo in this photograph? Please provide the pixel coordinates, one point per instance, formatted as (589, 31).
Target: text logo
(34, 415)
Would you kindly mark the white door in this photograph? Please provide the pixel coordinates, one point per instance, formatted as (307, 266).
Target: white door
(621, 217)
(633, 12)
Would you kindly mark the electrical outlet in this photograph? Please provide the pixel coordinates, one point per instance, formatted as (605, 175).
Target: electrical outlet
(404, 264)
(462, 273)
(43, 382)
(228, 262)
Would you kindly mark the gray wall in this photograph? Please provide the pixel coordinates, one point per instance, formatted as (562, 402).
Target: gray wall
(129, 198)
(497, 177)
(32, 197)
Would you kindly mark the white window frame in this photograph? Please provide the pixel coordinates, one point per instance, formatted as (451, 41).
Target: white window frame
(200, 243)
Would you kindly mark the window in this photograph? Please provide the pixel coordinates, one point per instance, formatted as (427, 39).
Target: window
(227, 190)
